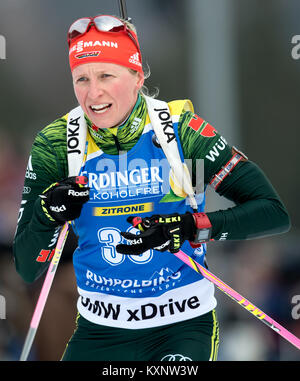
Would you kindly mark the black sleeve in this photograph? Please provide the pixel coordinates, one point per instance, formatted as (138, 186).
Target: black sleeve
(36, 236)
(258, 212)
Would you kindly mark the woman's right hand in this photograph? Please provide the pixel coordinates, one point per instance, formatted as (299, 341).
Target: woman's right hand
(63, 201)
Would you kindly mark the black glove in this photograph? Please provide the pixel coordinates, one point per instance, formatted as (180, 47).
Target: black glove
(160, 232)
(63, 201)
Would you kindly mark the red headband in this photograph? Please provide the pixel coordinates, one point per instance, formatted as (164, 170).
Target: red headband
(96, 46)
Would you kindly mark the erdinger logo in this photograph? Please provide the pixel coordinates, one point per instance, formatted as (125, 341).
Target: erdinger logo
(176, 357)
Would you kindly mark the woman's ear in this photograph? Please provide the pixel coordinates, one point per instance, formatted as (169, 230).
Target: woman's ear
(140, 80)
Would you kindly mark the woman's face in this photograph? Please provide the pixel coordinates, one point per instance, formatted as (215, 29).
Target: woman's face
(106, 92)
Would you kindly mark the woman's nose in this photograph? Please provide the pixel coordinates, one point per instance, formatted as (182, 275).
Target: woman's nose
(95, 89)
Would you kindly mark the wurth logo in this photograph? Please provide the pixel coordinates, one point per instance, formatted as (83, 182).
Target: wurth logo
(220, 145)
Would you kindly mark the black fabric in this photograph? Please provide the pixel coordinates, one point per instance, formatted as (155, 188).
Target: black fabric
(258, 212)
(195, 339)
(64, 200)
(163, 232)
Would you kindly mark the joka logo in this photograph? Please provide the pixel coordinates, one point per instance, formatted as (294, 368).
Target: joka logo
(166, 123)
(73, 136)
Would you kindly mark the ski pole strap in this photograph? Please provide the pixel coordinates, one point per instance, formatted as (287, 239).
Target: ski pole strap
(162, 123)
(76, 140)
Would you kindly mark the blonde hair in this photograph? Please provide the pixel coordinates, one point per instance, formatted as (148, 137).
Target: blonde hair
(146, 68)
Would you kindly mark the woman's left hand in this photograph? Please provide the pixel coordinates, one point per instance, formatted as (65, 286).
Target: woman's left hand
(160, 232)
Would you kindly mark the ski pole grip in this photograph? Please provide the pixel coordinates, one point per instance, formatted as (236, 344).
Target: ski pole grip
(81, 180)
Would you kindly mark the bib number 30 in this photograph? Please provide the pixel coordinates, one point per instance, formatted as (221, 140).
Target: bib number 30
(109, 238)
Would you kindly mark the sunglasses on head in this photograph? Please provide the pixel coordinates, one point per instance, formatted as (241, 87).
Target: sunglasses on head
(103, 23)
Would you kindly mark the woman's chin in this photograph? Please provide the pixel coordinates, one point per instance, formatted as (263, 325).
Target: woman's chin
(100, 120)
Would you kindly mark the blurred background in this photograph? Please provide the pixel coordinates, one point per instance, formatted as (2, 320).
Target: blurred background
(235, 60)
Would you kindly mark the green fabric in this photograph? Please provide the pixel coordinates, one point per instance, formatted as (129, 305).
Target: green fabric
(127, 134)
(196, 339)
(258, 211)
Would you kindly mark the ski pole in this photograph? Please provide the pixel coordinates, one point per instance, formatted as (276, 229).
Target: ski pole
(44, 292)
(123, 10)
(250, 307)
(81, 180)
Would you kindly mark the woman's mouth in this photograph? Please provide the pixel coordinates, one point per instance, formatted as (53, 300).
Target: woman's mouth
(101, 108)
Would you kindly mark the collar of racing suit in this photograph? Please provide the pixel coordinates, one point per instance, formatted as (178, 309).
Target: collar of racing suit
(124, 137)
